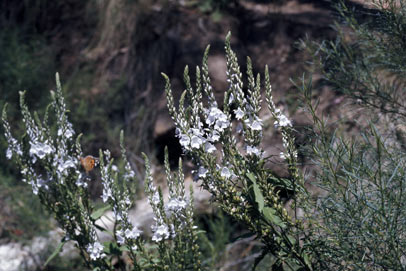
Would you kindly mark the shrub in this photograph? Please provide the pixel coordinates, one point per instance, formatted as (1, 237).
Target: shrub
(361, 215)
(49, 161)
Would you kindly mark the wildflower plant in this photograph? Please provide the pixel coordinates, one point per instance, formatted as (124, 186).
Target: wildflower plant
(357, 224)
(238, 177)
(48, 156)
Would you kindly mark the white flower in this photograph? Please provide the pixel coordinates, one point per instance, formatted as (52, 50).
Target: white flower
(253, 150)
(95, 251)
(283, 121)
(69, 133)
(230, 98)
(212, 187)
(196, 142)
(239, 114)
(196, 132)
(34, 186)
(155, 198)
(114, 168)
(133, 234)
(150, 184)
(282, 155)
(221, 125)
(107, 193)
(214, 136)
(120, 237)
(80, 181)
(225, 172)
(13, 145)
(176, 205)
(184, 141)
(65, 165)
(255, 125)
(9, 153)
(202, 172)
(42, 183)
(117, 214)
(127, 200)
(217, 118)
(214, 112)
(128, 173)
(209, 148)
(40, 149)
(162, 232)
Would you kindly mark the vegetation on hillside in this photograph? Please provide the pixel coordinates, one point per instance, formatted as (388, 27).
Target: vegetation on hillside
(340, 205)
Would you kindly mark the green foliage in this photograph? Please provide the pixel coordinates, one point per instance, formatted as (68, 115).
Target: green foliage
(367, 60)
(360, 214)
(214, 240)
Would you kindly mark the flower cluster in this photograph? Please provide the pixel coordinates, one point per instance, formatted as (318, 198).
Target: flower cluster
(51, 165)
(160, 228)
(95, 251)
(106, 178)
(170, 218)
(196, 136)
(284, 125)
(44, 149)
(173, 220)
(14, 147)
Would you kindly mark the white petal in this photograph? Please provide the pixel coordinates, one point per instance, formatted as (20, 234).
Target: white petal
(9, 153)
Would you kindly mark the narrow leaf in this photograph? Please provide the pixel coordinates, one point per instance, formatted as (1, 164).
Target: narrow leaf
(292, 240)
(56, 252)
(270, 215)
(259, 198)
(251, 177)
(99, 212)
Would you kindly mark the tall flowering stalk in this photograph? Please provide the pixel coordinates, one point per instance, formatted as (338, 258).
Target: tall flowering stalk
(173, 221)
(49, 162)
(237, 177)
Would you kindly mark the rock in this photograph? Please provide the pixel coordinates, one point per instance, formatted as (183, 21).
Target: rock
(18, 257)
